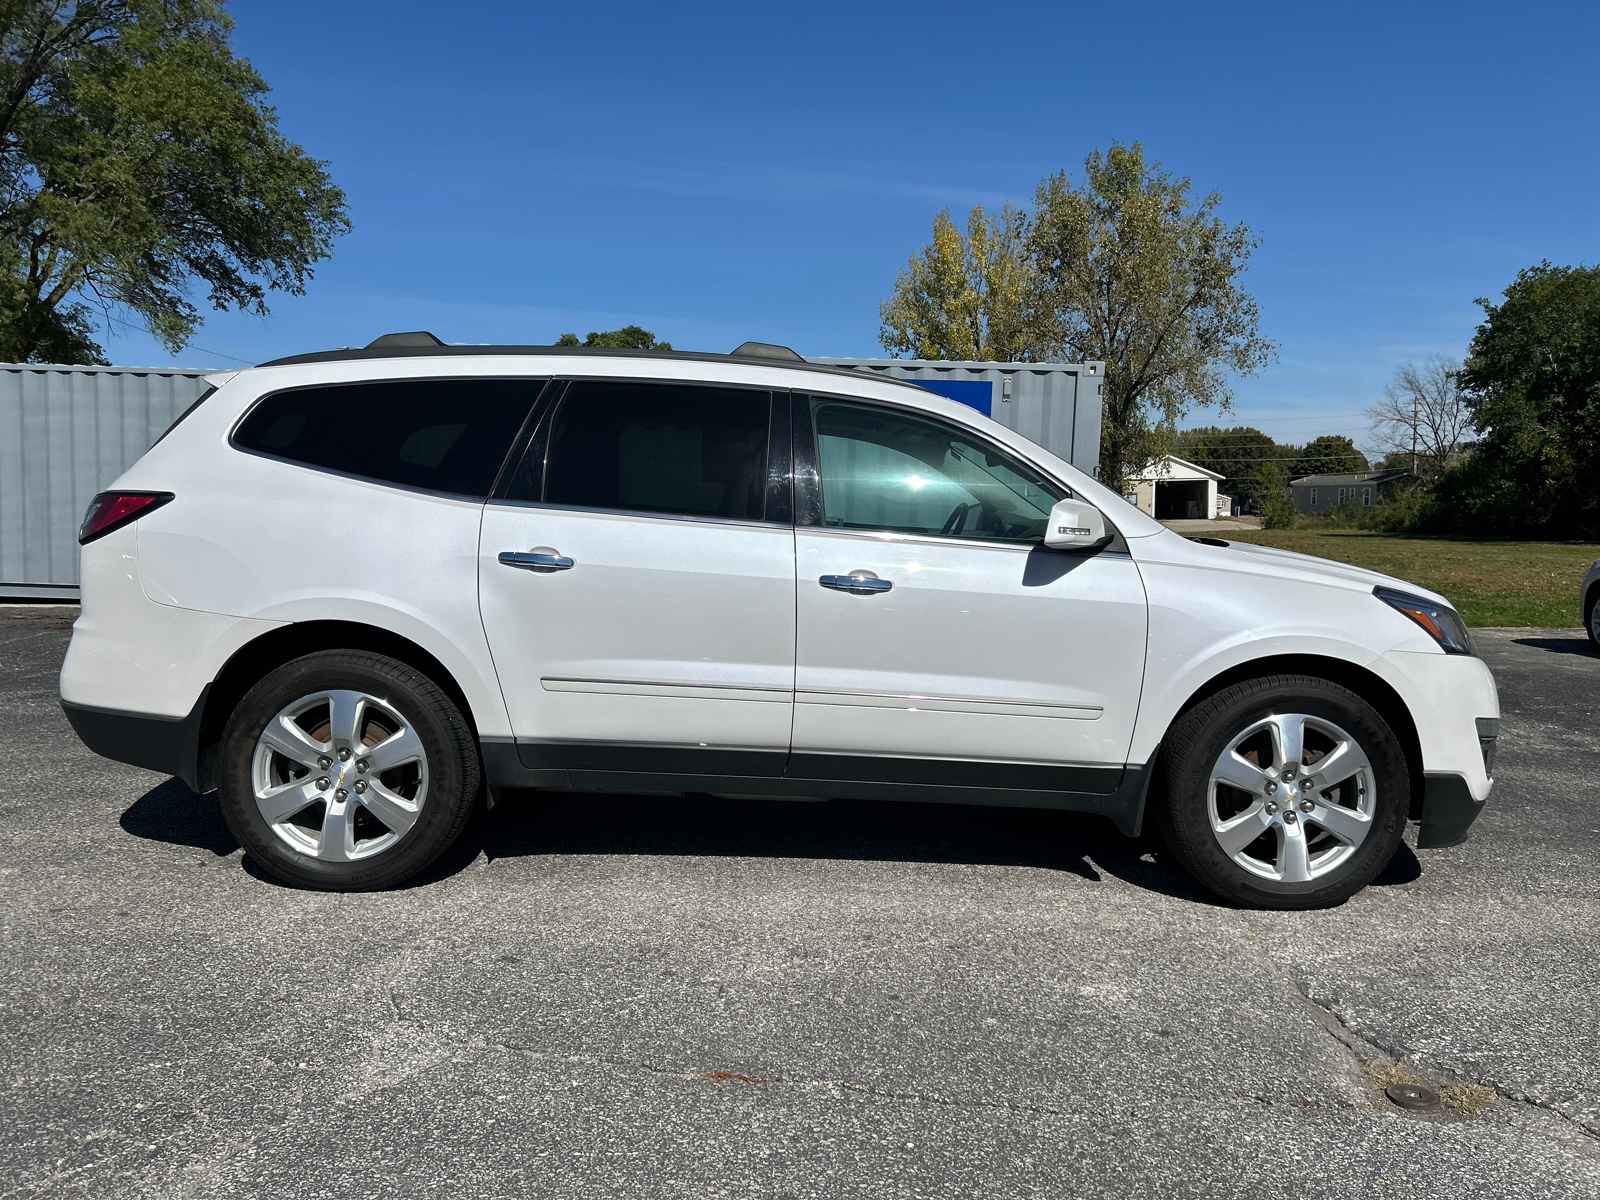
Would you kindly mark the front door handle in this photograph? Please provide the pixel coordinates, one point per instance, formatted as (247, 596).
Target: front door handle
(543, 560)
(857, 583)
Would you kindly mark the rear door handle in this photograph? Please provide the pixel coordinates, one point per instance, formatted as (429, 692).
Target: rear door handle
(857, 583)
(543, 561)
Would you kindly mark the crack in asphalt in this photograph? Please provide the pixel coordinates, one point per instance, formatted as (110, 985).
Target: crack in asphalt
(1369, 1052)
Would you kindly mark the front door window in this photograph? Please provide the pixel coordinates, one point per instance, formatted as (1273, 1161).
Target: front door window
(884, 469)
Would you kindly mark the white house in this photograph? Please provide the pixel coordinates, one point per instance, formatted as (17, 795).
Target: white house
(1173, 489)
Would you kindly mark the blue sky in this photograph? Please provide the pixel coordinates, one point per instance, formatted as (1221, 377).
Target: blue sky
(717, 173)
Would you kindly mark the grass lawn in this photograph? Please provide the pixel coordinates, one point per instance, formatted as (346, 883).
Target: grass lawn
(1490, 583)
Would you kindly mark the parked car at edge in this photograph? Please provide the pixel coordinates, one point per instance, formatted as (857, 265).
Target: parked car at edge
(1589, 602)
(354, 592)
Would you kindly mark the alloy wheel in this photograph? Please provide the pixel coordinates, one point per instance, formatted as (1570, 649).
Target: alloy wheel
(1291, 798)
(339, 775)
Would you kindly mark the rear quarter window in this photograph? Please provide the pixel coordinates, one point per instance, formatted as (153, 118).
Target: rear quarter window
(442, 435)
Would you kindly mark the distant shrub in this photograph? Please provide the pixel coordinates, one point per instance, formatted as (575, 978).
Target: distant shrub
(1411, 511)
(1403, 511)
(1278, 511)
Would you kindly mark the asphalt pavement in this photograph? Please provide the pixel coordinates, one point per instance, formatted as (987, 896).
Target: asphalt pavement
(600, 996)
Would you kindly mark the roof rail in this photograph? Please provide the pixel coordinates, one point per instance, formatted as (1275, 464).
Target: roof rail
(420, 337)
(764, 350)
(420, 344)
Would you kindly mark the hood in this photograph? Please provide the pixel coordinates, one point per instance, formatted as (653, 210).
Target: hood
(1317, 570)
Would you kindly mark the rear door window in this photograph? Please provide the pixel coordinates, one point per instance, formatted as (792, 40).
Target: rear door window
(659, 448)
(443, 435)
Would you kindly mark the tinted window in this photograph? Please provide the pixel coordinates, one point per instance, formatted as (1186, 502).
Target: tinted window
(447, 435)
(694, 451)
(882, 469)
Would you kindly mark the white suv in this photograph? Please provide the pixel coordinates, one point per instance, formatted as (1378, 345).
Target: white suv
(354, 591)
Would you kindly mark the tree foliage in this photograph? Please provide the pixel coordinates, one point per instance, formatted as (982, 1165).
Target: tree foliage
(1532, 378)
(1136, 273)
(1126, 268)
(138, 159)
(1330, 454)
(629, 337)
(1249, 461)
(966, 297)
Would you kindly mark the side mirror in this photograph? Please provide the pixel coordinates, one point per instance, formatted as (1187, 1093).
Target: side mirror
(1075, 525)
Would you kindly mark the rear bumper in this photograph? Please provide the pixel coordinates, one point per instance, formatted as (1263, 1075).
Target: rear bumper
(1448, 811)
(166, 744)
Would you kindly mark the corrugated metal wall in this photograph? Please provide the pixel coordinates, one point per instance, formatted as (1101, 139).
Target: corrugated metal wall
(1054, 404)
(65, 433)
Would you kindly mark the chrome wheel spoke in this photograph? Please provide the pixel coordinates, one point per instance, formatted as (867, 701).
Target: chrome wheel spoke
(396, 812)
(1294, 863)
(279, 803)
(336, 842)
(1236, 772)
(1238, 832)
(396, 750)
(1288, 740)
(294, 743)
(1349, 826)
(345, 712)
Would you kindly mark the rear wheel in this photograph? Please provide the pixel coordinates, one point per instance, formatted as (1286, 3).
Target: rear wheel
(1591, 618)
(1287, 792)
(347, 771)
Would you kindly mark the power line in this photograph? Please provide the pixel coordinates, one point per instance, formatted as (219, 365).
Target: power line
(220, 354)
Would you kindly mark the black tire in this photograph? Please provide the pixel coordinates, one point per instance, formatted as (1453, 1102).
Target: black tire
(1197, 741)
(1589, 618)
(449, 757)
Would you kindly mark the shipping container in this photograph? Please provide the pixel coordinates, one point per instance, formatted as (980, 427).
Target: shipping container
(65, 433)
(1056, 405)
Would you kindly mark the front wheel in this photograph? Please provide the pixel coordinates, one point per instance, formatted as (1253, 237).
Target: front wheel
(1288, 792)
(1591, 619)
(346, 771)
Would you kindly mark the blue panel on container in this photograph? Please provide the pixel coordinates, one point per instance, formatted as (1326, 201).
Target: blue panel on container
(974, 393)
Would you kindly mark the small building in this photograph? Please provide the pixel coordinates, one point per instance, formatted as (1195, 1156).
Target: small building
(1361, 489)
(1174, 489)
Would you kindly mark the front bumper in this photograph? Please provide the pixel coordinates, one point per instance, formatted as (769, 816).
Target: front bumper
(1448, 811)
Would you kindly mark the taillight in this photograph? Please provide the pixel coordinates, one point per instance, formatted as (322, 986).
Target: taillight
(113, 510)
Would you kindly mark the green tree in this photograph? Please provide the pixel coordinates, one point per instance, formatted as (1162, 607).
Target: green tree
(629, 337)
(1238, 455)
(1135, 272)
(138, 159)
(1127, 269)
(1278, 509)
(1330, 454)
(1532, 377)
(968, 296)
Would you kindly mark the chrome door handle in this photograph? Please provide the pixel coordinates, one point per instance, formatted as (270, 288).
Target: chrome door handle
(541, 561)
(857, 583)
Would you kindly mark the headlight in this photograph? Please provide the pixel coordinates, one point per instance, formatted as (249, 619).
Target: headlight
(1443, 623)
